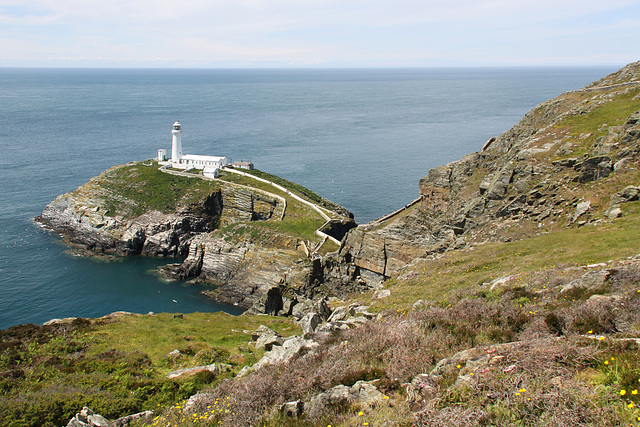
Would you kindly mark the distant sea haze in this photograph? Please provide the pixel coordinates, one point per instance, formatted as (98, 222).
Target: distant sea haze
(361, 138)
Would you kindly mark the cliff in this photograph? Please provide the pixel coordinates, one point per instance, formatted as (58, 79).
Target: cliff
(560, 166)
(243, 235)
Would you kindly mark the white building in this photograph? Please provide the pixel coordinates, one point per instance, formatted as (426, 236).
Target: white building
(191, 161)
(209, 164)
(176, 142)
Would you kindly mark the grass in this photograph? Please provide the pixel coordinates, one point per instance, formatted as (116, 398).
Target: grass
(291, 186)
(49, 373)
(134, 189)
(298, 189)
(438, 279)
(160, 334)
(612, 113)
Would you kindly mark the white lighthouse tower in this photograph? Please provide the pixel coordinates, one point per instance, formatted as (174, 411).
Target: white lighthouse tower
(176, 142)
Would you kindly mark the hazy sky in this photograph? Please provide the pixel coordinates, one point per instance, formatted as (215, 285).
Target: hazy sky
(318, 33)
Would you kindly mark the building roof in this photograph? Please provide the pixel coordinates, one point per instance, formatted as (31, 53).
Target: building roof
(202, 158)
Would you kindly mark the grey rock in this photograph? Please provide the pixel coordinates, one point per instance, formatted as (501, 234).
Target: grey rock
(621, 164)
(142, 416)
(292, 409)
(614, 212)
(362, 393)
(594, 168)
(310, 322)
(86, 417)
(581, 209)
(175, 354)
(329, 327)
(322, 309)
(266, 338)
(302, 309)
(593, 281)
(339, 314)
(213, 368)
(289, 348)
(628, 194)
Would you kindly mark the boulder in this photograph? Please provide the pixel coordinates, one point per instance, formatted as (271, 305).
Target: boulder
(322, 309)
(361, 393)
(581, 209)
(310, 322)
(614, 212)
(382, 293)
(187, 372)
(339, 314)
(292, 409)
(175, 354)
(329, 327)
(629, 194)
(86, 417)
(594, 168)
(289, 348)
(592, 281)
(266, 338)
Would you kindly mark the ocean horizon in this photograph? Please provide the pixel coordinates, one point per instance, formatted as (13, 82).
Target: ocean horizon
(360, 137)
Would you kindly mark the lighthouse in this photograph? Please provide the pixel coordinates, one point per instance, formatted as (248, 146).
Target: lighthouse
(176, 142)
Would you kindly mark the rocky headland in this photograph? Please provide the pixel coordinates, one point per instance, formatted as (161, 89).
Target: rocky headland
(254, 241)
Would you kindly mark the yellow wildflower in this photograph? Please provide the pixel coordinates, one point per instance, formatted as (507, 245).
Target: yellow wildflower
(623, 392)
(360, 413)
(606, 362)
(634, 392)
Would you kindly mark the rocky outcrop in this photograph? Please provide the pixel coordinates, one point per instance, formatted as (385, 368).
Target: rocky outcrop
(187, 372)
(533, 174)
(362, 393)
(87, 418)
(211, 225)
(84, 220)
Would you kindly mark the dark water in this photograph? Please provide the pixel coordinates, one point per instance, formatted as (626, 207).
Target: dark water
(362, 138)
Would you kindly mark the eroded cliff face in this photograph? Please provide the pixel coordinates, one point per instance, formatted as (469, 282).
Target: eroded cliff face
(236, 237)
(85, 218)
(153, 233)
(579, 148)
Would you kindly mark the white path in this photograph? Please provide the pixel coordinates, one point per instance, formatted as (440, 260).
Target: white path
(321, 211)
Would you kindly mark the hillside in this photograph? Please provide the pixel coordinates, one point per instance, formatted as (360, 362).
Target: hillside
(508, 294)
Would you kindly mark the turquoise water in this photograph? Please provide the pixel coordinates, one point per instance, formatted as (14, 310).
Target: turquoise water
(362, 138)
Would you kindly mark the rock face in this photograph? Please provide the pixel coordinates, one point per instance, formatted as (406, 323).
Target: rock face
(84, 218)
(210, 222)
(529, 177)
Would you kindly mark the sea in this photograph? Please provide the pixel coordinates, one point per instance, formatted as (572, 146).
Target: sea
(360, 137)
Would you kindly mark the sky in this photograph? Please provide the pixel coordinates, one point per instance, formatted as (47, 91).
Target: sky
(318, 33)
